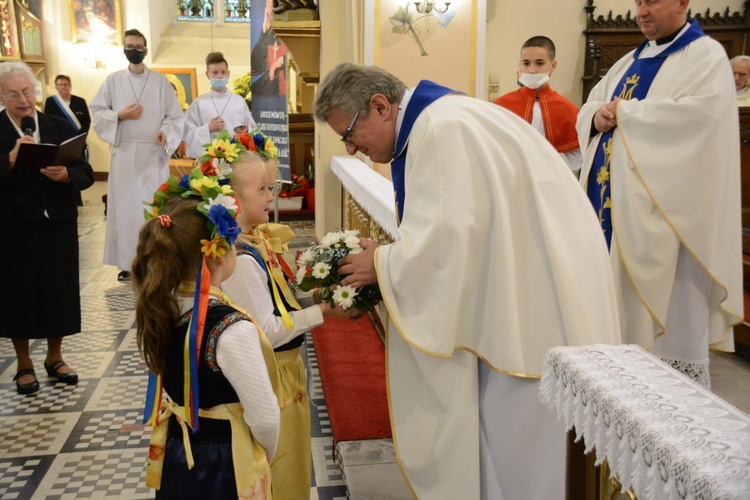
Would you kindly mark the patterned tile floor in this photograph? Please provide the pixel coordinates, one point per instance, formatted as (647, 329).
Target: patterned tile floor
(87, 441)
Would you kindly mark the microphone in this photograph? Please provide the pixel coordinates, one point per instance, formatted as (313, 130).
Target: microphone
(28, 125)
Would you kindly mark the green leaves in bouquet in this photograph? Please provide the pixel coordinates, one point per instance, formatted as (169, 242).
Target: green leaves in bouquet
(318, 268)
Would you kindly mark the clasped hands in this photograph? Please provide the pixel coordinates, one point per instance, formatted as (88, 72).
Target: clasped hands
(217, 125)
(605, 118)
(134, 112)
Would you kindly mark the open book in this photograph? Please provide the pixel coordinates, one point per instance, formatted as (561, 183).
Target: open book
(33, 157)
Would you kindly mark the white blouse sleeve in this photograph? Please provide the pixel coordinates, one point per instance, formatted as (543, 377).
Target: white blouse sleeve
(248, 288)
(306, 299)
(239, 355)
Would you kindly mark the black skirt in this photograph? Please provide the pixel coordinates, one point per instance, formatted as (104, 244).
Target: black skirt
(39, 284)
(213, 473)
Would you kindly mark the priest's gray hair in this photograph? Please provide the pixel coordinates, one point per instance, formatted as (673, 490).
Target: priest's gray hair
(14, 67)
(737, 59)
(349, 87)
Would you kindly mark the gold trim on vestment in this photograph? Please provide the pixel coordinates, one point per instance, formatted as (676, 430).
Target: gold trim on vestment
(687, 247)
(399, 461)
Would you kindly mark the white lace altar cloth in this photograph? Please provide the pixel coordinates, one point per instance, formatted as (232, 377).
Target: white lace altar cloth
(371, 190)
(664, 435)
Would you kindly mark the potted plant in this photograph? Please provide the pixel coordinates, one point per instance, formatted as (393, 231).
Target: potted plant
(243, 89)
(292, 193)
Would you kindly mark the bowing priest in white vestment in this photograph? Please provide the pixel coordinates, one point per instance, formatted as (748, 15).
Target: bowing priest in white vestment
(217, 110)
(662, 169)
(499, 258)
(137, 113)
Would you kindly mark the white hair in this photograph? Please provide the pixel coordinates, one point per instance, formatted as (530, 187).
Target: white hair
(14, 67)
(738, 59)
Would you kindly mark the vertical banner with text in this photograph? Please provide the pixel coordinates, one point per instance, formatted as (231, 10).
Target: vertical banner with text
(269, 81)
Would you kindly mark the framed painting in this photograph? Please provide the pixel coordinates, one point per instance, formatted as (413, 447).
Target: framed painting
(184, 82)
(96, 21)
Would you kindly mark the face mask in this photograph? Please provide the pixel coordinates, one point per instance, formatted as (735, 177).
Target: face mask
(134, 56)
(533, 80)
(219, 83)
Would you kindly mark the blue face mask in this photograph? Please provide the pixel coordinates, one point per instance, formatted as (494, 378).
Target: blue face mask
(219, 83)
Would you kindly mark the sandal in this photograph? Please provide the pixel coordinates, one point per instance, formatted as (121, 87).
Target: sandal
(29, 388)
(52, 370)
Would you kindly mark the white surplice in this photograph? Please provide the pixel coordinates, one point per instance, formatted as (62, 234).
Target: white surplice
(138, 164)
(500, 258)
(675, 185)
(229, 106)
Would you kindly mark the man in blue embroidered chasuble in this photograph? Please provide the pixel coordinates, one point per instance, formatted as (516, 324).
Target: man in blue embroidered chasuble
(662, 170)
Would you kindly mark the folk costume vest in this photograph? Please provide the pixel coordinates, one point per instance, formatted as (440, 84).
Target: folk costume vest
(634, 84)
(219, 404)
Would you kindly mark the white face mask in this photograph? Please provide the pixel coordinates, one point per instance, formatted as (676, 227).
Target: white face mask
(533, 80)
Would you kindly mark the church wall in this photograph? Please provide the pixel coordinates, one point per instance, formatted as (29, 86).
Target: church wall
(438, 47)
(340, 41)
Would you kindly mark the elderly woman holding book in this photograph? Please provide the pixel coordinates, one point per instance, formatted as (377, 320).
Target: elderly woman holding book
(40, 291)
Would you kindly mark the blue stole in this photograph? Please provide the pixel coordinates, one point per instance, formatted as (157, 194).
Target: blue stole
(424, 94)
(635, 83)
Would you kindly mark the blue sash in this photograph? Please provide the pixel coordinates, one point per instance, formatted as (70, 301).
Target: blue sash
(424, 94)
(68, 113)
(635, 83)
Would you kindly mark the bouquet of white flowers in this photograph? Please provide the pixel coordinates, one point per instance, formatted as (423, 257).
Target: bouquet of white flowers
(317, 268)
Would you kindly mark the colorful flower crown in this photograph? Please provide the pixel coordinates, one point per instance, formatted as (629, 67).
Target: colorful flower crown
(224, 149)
(217, 204)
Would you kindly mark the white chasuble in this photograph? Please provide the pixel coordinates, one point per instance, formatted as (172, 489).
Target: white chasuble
(230, 107)
(138, 164)
(500, 258)
(675, 185)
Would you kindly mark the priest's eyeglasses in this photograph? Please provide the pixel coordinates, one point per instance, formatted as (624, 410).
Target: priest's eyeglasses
(345, 137)
(14, 96)
(137, 48)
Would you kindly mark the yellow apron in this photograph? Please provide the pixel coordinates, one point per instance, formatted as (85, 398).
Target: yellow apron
(251, 471)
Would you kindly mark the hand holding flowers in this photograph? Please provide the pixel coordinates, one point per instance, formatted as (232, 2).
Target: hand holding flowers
(317, 267)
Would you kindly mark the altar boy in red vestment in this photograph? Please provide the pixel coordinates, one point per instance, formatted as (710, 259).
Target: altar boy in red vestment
(553, 115)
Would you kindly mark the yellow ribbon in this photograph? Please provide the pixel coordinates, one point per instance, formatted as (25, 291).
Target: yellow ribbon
(265, 344)
(270, 241)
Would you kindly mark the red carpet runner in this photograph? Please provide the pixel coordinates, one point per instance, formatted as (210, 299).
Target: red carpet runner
(351, 361)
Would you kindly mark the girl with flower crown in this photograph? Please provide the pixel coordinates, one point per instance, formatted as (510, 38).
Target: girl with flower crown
(215, 429)
(260, 285)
